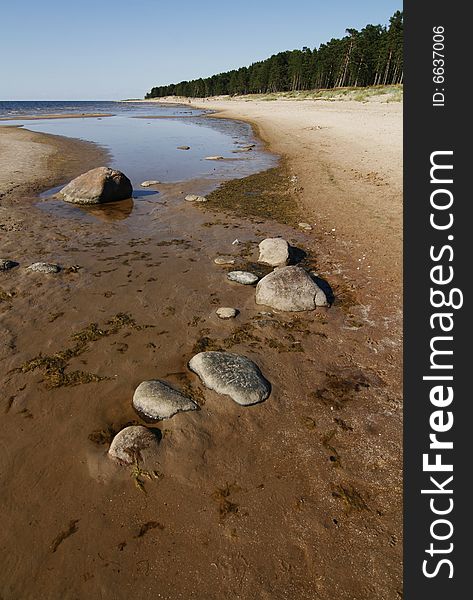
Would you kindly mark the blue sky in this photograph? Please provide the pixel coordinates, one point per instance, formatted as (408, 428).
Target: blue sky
(115, 49)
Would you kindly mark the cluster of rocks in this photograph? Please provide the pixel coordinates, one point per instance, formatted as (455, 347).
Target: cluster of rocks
(195, 198)
(288, 287)
(155, 400)
(37, 267)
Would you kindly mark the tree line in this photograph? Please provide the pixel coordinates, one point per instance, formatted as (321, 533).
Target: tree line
(372, 56)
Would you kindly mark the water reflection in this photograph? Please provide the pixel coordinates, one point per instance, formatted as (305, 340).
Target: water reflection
(107, 212)
(111, 211)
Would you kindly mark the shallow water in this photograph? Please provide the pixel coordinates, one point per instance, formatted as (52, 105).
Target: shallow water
(145, 147)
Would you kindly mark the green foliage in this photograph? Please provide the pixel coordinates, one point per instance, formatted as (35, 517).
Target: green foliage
(372, 56)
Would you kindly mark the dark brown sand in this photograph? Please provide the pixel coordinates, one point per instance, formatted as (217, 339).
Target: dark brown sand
(295, 498)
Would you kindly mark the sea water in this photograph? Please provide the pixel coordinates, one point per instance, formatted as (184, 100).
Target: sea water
(143, 138)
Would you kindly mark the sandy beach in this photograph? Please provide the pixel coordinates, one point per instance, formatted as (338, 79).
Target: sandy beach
(297, 497)
(32, 162)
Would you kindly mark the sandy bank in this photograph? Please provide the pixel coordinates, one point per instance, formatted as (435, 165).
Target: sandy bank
(31, 161)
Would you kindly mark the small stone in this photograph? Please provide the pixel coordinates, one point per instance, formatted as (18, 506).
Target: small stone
(42, 267)
(290, 289)
(242, 277)
(134, 444)
(183, 147)
(239, 150)
(214, 158)
(274, 252)
(224, 260)
(305, 226)
(233, 375)
(195, 198)
(226, 312)
(6, 264)
(150, 183)
(155, 400)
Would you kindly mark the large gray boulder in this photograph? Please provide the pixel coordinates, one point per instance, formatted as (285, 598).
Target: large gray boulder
(155, 400)
(274, 252)
(231, 374)
(290, 289)
(133, 445)
(98, 186)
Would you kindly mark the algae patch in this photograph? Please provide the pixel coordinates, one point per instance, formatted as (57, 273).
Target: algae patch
(268, 195)
(54, 366)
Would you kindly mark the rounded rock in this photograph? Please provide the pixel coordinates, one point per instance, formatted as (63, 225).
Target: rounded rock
(98, 186)
(42, 267)
(305, 226)
(243, 277)
(233, 375)
(155, 400)
(133, 445)
(6, 264)
(150, 183)
(290, 289)
(195, 198)
(274, 252)
(224, 260)
(226, 312)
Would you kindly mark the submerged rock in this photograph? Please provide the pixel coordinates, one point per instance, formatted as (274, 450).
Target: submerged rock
(290, 289)
(225, 312)
(233, 375)
(98, 186)
(274, 252)
(243, 277)
(42, 267)
(6, 264)
(224, 260)
(305, 226)
(214, 158)
(195, 198)
(150, 182)
(133, 445)
(244, 149)
(183, 147)
(156, 400)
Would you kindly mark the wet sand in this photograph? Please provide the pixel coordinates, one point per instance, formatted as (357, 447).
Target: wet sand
(297, 497)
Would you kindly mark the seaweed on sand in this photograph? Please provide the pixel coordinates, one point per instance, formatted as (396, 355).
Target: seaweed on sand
(268, 195)
(54, 366)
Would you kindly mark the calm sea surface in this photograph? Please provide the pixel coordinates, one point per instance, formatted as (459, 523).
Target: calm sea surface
(145, 147)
